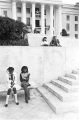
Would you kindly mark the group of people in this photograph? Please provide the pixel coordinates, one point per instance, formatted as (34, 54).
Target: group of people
(54, 42)
(12, 83)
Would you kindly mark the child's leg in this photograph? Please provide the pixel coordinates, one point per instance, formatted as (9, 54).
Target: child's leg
(7, 97)
(15, 94)
(26, 96)
(26, 91)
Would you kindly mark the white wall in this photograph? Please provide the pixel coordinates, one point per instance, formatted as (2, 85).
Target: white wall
(44, 63)
(54, 63)
(19, 56)
(36, 39)
(72, 58)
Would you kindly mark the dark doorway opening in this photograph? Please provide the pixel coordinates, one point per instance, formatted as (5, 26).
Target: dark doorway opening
(37, 22)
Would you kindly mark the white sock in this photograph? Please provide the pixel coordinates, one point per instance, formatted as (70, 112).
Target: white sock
(7, 98)
(16, 98)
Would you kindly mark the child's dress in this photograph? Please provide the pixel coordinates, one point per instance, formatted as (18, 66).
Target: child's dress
(11, 80)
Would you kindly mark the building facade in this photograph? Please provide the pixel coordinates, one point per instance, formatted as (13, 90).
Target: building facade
(43, 16)
(70, 21)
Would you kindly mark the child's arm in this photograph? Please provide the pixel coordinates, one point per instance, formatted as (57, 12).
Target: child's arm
(15, 78)
(27, 78)
(20, 78)
(8, 81)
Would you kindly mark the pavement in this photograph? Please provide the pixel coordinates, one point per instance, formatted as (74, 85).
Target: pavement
(36, 109)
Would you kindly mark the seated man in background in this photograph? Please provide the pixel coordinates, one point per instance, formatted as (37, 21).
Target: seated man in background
(44, 42)
(55, 42)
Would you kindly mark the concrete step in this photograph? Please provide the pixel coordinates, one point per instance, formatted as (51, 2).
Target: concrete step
(55, 90)
(73, 76)
(68, 80)
(61, 85)
(75, 71)
(55, 104)
(60, 94)
(64, 86)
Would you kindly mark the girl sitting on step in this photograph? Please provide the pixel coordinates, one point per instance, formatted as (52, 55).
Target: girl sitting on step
(24, 79)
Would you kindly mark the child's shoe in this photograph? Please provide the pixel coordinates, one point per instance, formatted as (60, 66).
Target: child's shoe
(26, 101)
(28, 98)
(6, 105)
(17, 103)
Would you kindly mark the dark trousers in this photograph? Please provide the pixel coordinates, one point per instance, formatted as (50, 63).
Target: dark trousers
(9, 90)
(26, 90)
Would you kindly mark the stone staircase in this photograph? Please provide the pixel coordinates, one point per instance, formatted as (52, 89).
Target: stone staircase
(62, 94)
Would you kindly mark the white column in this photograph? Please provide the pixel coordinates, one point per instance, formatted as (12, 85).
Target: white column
(60, 19)
(24, 12)
(51, 20)
(33, 16)
(14, 16)
(42, 20)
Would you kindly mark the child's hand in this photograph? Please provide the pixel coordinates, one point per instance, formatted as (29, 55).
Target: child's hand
(28, 74)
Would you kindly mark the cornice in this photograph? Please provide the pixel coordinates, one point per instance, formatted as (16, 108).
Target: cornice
(68, 6)
(5, 1)
(43, 1)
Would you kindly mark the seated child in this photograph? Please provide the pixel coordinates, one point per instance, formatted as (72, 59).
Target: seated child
(24, 79)
(11, 80)
(53, 41)
(44, 42)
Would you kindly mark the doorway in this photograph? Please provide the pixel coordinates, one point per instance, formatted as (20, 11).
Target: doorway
(37, 23)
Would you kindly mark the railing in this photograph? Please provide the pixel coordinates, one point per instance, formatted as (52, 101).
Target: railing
(37, 30)
(47, 27)
(38, 14)
(29, 29)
